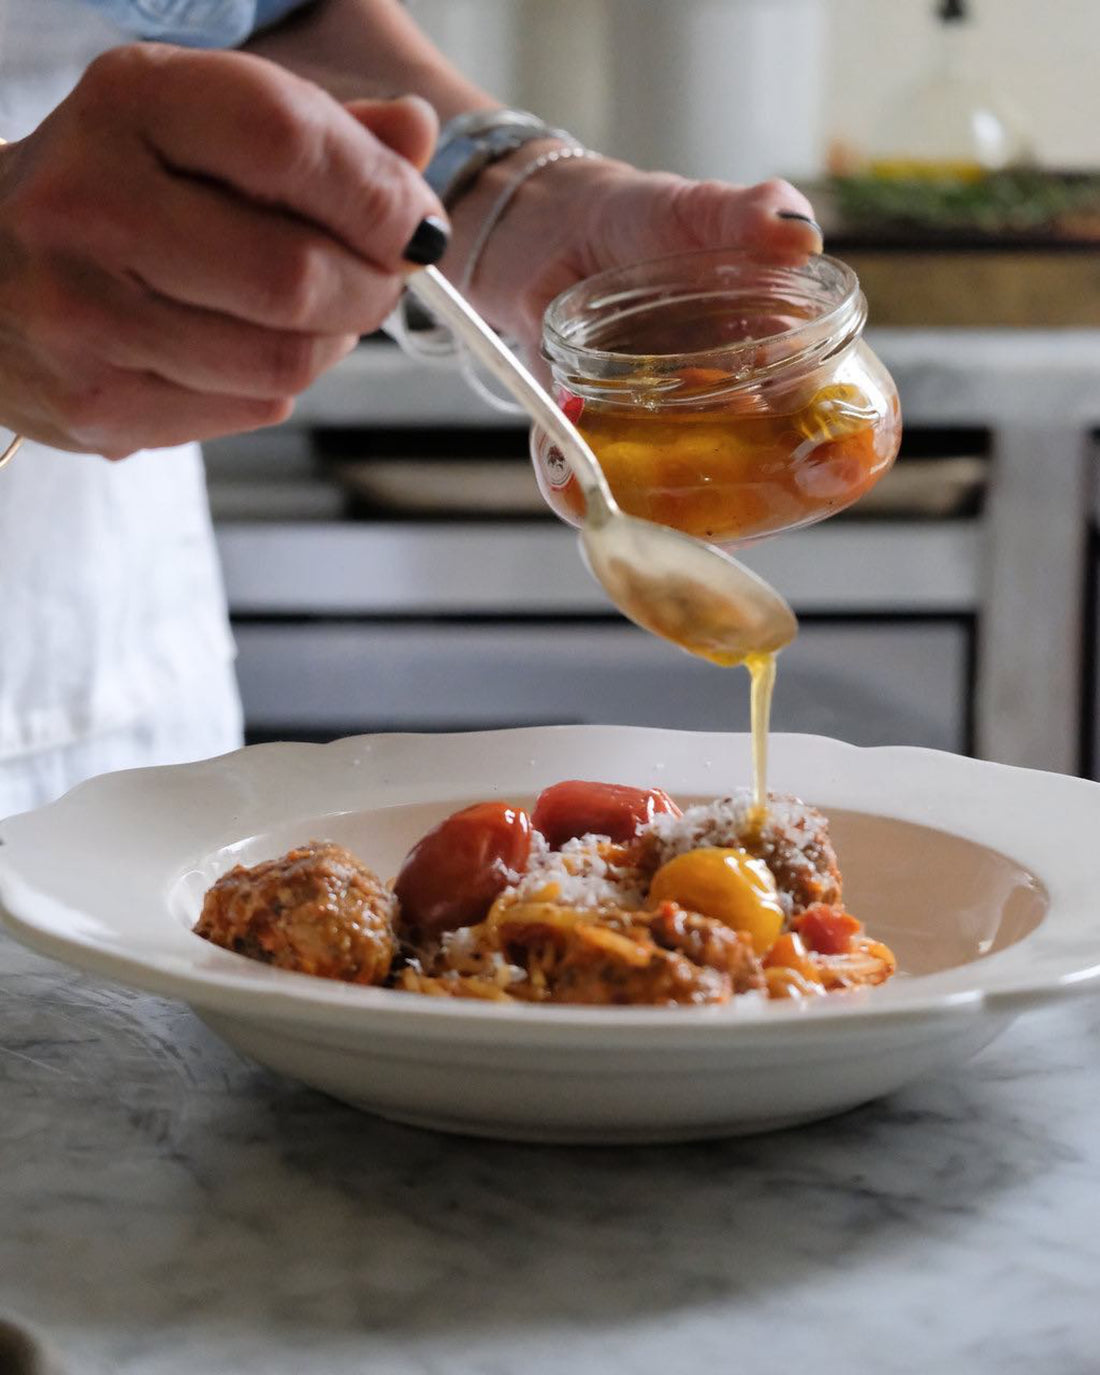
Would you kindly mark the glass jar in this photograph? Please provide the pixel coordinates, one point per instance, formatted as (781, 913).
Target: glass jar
(725, 395)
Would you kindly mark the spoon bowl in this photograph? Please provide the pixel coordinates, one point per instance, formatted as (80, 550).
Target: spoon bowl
(686, 591)
(675, 586)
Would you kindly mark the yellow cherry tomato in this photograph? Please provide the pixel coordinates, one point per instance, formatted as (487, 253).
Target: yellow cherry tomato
(729, 885)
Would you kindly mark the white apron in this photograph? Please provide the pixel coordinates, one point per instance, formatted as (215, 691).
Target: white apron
(114, 645)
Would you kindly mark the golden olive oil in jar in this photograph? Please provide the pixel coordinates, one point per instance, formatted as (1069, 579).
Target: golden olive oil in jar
(724, 395)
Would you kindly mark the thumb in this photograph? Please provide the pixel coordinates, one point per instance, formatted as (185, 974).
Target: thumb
(655, 213)
(408, 125)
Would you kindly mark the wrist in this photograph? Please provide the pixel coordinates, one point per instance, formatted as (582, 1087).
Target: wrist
(483, 161)
(469, 211)
(514, 235)
(476, 139)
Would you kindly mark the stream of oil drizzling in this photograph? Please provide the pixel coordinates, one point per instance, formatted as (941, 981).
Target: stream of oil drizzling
(761, 669)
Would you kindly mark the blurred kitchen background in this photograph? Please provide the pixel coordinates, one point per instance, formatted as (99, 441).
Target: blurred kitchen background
(390, 564)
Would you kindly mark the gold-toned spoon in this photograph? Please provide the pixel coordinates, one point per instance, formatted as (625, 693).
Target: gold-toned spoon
(675, 586)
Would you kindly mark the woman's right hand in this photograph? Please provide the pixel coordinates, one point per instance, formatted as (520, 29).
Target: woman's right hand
(190, 239)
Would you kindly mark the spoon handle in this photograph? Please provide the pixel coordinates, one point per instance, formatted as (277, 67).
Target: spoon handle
(436, 293)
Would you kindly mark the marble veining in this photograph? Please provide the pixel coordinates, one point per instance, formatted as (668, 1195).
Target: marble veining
(166, 1208)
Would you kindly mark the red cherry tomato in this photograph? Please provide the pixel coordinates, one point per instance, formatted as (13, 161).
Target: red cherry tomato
(575, 808)
(450, 878)
(827, 931)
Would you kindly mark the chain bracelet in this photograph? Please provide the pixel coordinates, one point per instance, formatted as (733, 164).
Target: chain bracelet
(494, 216)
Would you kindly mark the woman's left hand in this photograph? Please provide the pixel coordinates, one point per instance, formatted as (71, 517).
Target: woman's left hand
(580, 216)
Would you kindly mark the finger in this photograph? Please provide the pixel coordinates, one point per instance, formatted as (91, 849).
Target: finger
(784, 220)
(146, 413)
(771, 217)
(284, 141)
(648, 215)
(101, 320)
(133, 410)
(204, 246)
(216, 354)
(121, 412)
(76, 401)
(408, 125)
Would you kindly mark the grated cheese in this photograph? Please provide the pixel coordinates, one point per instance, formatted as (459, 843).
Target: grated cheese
(583, 873)
(793, 833)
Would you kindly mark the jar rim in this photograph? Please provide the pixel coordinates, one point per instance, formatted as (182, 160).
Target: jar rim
(819, 336)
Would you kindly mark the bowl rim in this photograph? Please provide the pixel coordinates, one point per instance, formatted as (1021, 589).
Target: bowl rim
(1042, 816)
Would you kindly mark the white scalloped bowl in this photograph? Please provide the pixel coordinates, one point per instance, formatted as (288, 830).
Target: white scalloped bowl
(982, 878)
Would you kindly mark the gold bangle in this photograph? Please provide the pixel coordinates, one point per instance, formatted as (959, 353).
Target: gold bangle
(13, 448)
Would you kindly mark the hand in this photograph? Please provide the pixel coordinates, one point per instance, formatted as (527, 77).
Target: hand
(190, 239)
(581, 216)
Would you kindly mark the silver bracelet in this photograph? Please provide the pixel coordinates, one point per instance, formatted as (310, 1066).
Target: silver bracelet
(496, 213)
(434, 343)
(504, 200)
(471, 142)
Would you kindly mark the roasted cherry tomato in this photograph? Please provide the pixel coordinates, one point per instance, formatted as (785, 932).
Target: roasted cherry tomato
(574, 808)
(729, 885)
(827, 931)
(450, 878)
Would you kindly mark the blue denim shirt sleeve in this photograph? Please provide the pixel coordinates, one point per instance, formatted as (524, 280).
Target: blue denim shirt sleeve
(195, 23)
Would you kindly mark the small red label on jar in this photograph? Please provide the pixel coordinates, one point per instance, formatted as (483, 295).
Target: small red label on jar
(555, 466)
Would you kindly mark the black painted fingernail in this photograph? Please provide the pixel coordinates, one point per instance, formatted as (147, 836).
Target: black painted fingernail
(429, 243)
(796, 215)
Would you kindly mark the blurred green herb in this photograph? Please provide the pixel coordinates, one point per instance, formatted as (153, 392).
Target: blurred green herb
(999, 202)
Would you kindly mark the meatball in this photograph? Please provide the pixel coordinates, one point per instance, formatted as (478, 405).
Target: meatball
(316, 910)
(794, 843)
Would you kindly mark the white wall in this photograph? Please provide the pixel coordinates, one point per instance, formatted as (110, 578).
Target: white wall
(1043, 56)
(723, 88)
(607, 69)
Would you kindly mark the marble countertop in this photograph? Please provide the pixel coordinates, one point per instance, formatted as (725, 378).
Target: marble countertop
(168, 1209)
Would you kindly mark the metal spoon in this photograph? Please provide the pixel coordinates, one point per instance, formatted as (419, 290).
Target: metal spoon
(675, 586)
